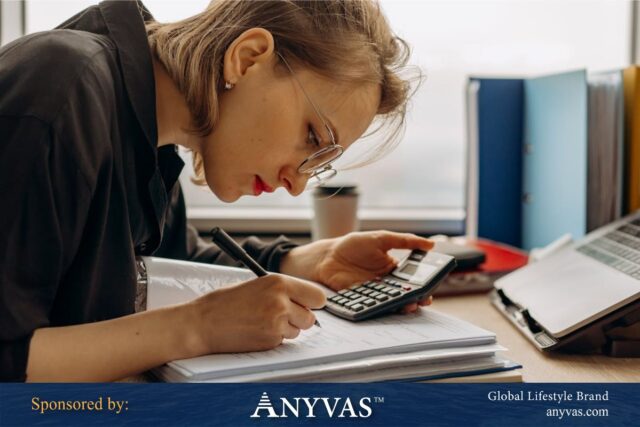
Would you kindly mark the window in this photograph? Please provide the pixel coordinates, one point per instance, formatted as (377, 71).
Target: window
(420, 186)
(11, 21)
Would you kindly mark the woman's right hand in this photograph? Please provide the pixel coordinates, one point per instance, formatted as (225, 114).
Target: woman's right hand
(253, 315)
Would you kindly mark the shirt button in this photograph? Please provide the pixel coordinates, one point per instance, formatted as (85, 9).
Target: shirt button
(142, 247)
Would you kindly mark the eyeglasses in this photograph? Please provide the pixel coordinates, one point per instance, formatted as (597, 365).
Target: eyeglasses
(319, 164)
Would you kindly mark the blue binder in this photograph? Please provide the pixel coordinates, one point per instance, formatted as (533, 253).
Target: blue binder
(500, 130)
(532, 158)
(555, 160)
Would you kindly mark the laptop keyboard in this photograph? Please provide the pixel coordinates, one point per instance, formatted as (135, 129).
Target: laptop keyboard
(619, 249)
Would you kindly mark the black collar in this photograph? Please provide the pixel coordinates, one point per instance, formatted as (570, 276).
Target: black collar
(125, 22)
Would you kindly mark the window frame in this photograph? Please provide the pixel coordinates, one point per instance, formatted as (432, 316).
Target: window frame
(13, 24)
(276, 220)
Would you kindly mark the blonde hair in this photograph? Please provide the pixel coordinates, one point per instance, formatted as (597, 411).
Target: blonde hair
(346, 40)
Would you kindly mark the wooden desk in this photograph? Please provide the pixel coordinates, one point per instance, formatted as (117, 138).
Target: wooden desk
(538, 366)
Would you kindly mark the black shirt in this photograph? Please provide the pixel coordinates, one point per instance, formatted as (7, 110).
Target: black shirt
(82, 185)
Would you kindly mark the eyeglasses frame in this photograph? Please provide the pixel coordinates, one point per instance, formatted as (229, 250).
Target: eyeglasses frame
(323, 167)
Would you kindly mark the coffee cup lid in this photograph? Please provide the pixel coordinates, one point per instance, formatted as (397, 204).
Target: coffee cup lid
(336, 190)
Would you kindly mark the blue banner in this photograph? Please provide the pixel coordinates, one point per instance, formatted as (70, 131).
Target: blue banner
(390, 404)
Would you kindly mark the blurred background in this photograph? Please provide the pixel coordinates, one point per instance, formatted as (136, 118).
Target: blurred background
(421, 185)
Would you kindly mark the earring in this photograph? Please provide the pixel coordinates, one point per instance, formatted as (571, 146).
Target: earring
(228, 85)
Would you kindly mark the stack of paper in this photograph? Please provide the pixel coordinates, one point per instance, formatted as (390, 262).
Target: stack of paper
(419, 346)
(606, 149)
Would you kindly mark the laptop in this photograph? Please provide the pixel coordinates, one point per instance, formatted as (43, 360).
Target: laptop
(579, 292)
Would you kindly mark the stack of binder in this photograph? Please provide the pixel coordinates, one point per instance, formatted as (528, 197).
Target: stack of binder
(551, 156)
(422, 346)
(546, 155)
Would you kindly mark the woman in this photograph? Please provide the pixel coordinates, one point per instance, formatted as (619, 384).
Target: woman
(265, 95)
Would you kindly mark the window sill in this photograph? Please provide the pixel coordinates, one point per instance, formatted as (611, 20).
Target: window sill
(274, 220)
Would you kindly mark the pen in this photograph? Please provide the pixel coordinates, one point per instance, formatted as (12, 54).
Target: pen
(231, 248)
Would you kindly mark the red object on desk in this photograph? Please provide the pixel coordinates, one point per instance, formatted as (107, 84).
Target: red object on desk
(500, 257)
(500, 260)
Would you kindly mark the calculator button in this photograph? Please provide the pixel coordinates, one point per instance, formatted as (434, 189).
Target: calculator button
(387, 289)
(348, 294)
(379, 286)
(360, 289)
(394, 292)
(343, 291)
(356, 301)
(371, 285)
(369, 302)
(389, 281)
(350, 303)
(367, 291)
(417, 255)
(374, 294)
(382, 297)
(335, 298)
(357, 307)
(355, 295)
(343, 301)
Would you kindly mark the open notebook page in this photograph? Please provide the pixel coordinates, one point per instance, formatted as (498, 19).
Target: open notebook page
(337, 340)
(340, 340)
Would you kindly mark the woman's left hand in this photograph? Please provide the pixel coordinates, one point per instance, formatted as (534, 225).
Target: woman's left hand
(357, 257)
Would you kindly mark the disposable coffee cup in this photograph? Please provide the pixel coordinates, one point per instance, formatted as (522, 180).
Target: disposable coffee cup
(335, 211)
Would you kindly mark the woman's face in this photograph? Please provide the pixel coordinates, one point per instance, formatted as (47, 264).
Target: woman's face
(263, 131)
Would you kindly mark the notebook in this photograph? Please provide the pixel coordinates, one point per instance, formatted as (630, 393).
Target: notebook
(340, 346)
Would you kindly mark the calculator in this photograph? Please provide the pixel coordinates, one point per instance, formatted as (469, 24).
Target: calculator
(415, 278)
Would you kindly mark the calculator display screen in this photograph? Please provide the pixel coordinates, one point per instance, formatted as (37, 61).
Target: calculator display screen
(409, 269)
